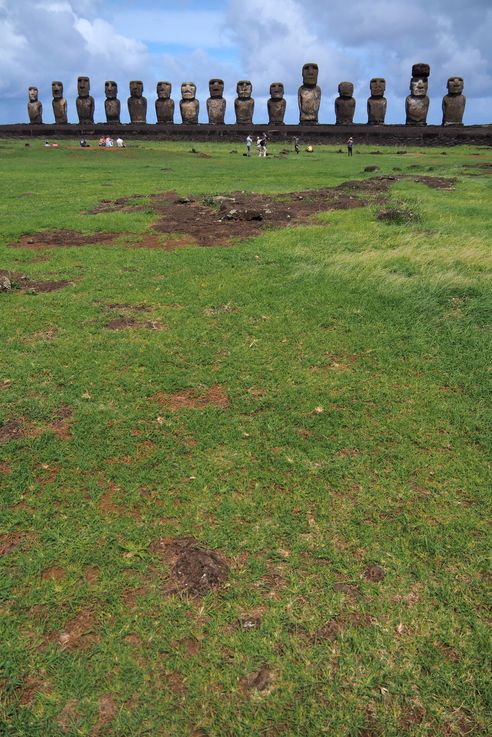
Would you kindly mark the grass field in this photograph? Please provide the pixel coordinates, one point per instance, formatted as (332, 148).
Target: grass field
(259, 506)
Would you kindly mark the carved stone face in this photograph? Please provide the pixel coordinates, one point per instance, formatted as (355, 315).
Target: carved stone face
(244, 89)
(136, 88)
(378, 86)
(164, 90)
(216, 87)
(455, 85)
(418, 87)
(345, 89)
(276, 90)
(110, 89)
(83, 86)
(310, 74)
(188, 90)
(57, 90)
(33, 94)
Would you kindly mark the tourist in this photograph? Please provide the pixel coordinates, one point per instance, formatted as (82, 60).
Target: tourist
(249, 143)
(297, 148)
(120, 143)
(108, 142)
(350, 143)
(102, 141)
(83, 143)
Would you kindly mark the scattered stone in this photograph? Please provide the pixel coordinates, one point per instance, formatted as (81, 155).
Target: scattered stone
(5, 284)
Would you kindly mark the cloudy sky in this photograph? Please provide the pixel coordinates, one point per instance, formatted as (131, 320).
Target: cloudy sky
(260, 40)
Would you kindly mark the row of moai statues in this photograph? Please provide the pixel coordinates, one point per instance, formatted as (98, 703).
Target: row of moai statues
(309, 100)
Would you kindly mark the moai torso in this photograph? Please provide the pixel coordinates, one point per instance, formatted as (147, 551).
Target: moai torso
(244, 104)
(216, 104)
(188, 105)
(309, 95)
(377, 104)
(137, 104)
(112, 106)
(164, 106)
(276, 104)
(59, 103)
(34, 107)
(417, 102)
(453, 104)
(345, 104)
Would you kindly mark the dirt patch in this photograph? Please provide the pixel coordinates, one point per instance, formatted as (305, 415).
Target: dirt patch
(11, 430)
(125, 323)
(25, 284)
(194, 568)
(56, 573)
(78, 633)
(5, 468)
(62, 239)
(195, 398)
(107, 712)
(9, 542)
(124, 306)
(259, 680)
(374, 573)
(349, 589)
(68, 716)
(91, 574)
(61, 422)
(131, 596)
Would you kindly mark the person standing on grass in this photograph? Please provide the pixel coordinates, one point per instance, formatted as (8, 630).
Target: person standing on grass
(297, 148)
(350, 143)
(249, 143)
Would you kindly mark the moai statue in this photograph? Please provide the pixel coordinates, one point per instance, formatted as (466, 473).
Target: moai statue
(309, 95)
(216, 104)
(453, 104)
(137, 103)
(417, 102)
(164, 106)
(84, 102)
(34, 107)
(189, 105)
(112, 106)
(244, 104)
(345, 104)
(377, 103)
(276, 104)
(59, 103)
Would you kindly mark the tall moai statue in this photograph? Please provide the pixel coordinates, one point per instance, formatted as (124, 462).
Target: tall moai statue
(112, 106)
(276, 104)
(244, 104)
(417, 102)
(345, 104)
(453, 104)
(309, 95)
(137, 103)
(216, 104)
(59, 103)
(377, 103)
(34, 107)
(188, 105)
(84, 102)
(164, 106)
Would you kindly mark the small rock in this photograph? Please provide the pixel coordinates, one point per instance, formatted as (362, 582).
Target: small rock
(5, 284)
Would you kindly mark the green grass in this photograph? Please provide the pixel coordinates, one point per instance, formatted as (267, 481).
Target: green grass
(355, 357)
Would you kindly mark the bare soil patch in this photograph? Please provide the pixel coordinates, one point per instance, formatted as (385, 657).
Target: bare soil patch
(68, 715)
(194, 398)
(79, 632)
(10, 541)
(258, 680)
(61, 422)
(12, 430)
(374, 573)
(107, 712)
(62, 239)
(124, 323)
(194, 569)
(25, 284)
(57, 573)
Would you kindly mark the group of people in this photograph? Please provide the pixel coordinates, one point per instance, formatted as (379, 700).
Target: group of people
(107, 142)
(261, 145)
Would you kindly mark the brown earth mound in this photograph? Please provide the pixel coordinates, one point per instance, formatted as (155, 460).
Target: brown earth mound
(62, 239)
(194, 568)
(22, 282)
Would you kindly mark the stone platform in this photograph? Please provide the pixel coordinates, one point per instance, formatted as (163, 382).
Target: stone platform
(374, 135)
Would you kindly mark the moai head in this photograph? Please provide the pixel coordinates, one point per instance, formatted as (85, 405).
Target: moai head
(244, 89)
(188, 91)
(310, 74)
(33, 94)
(455, 85)
(57, 90)
(83, 86)
(276, 90)
(378, 86)
(216, 87)
(164, 90)
(346, 89)
(136, 88)
(110, 89)
(418, 86)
